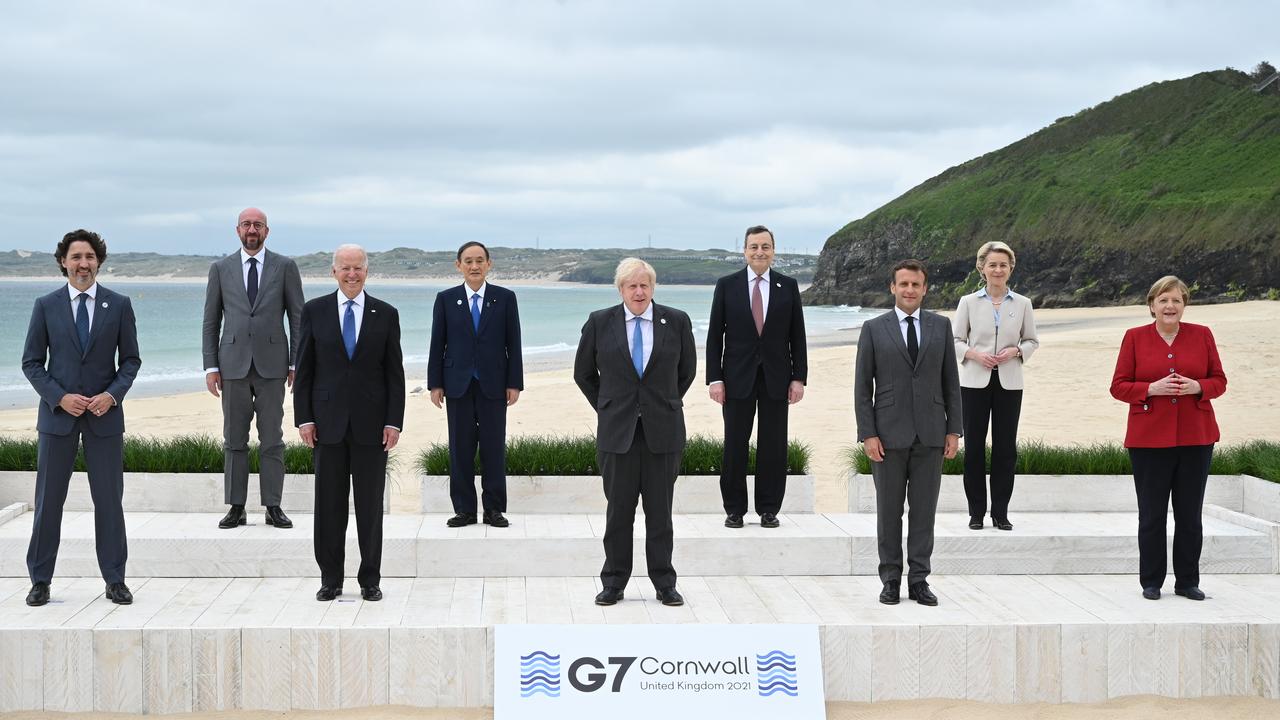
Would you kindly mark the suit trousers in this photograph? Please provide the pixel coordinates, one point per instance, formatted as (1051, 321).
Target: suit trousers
(477, 420)
(913, 475)
(1001, 409)
(343, 470)
(1159, 473)
(243, 400)
(55, 460)
(628, 477)
(771, 450)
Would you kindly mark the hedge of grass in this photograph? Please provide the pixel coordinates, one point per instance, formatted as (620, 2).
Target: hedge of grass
(1260, 458)
(553, 455)
(182, 454)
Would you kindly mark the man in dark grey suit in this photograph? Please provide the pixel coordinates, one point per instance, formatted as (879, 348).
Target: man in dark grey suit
(906, 396)
(248, 359)
(634, 364)
(75, 336)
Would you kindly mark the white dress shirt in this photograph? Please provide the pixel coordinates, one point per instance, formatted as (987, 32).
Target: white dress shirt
(357, 307)
(764, 288)
(646, 330)
(467, 289)
(88, 306)
(244, 266)
(902, 325)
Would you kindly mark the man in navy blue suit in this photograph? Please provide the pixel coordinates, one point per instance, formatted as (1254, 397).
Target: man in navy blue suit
(475, 362)
(76, 334)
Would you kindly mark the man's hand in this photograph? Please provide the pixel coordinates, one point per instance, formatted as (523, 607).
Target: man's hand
(951, 446)
(74, 404)
(512, 396)
(99, 404)
(390, 436)
(288, 379)
(437, 396)
(874, 449)
(308, 434)
(716, 391)
(213, 381)
(795, 392)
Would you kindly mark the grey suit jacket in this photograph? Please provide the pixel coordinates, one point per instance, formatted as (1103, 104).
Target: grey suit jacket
(898, 402)
(237, 335)
(55, 364)
(604, 373)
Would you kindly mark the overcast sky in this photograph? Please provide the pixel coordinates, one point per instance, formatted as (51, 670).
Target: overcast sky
(571, 124)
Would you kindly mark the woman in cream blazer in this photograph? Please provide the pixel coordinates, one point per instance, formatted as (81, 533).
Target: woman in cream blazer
(995, 332)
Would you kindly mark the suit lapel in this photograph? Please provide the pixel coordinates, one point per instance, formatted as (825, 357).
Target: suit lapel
(926, 338)
(775, 298)
(69, 317)
(329, 320)
(488, 304)
(103, 302)
(265, 271)
(894, 326)
(465, 293)
(618, 325)
(659, 334)
(368, 317)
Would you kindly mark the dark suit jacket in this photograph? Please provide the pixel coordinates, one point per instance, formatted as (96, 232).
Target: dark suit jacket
(898, 402)
(54, 362)
(734, 350)
(604, 373)
(1165, 420)
(458, 351)
(236, 335)
(365, 392)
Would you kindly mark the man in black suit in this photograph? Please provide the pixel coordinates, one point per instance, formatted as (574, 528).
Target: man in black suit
(76, 334)
(757, 363)
(348, 402)
(906, 397)
(475, 361)
(635, 362)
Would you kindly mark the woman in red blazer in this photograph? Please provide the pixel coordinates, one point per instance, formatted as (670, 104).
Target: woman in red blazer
(1168, 371)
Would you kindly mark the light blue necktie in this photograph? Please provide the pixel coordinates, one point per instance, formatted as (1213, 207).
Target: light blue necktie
(349, 329)
(475, 311)
(82, 322)
(637, 348)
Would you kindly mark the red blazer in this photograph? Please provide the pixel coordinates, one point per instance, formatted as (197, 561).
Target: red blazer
(1168, 420)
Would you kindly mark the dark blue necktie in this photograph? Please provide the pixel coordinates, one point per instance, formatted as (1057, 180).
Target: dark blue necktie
(349, 329)
(637, 348)
(253, 280)
(913, 342)
(475, 311)
(82, 322)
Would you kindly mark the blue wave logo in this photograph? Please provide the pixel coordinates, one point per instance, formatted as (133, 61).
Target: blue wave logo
(539, 674)
(776, 673)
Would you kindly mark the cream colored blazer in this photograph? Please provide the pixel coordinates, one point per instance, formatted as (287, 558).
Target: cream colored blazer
(975, 327)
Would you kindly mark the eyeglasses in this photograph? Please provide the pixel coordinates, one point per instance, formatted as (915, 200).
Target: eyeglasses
(255, 224)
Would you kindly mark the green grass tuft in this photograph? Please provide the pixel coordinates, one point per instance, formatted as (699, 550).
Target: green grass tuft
(181, 454)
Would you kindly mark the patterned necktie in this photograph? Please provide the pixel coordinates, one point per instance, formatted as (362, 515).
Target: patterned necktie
(637, 347)
(757, 306)
(913, 342)
(82, 322)
(349, 329)
(253, 280)
(475, 311)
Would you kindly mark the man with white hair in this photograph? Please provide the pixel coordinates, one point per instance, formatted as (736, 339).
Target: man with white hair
(348, 402)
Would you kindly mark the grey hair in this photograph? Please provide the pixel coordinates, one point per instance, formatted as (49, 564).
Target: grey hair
(347, 247)
(630, 266)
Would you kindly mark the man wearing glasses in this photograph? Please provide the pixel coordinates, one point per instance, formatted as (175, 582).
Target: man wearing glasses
(248, 359)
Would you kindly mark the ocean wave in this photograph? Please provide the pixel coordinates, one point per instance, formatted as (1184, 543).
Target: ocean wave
(776, 654)
(761, 667)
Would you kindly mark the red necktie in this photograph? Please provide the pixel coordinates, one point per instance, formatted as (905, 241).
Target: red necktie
(757, 306)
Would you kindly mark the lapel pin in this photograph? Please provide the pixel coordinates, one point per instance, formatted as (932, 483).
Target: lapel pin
(459, 302)
(104, 303)
(663, 321)
(778, 284)
(372, 310)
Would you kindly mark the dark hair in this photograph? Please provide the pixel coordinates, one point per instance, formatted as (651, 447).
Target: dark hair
(909, 264)
(473, 243)
(756, 230)
(95, 241)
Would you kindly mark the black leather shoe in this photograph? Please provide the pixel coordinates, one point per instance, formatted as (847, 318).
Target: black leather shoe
(919, 591)
(119, 594)
(495, 519)
(975, 523)
(1152, 593)
(609, 596)
(769, 520)
(1001, 524)
(733, 520)
(328, 592)
(373, 593)
(1191, 593)
(39, 594)
(461, 519)
(670, 596)
(889, 595)
(276, 516)
(234, 518)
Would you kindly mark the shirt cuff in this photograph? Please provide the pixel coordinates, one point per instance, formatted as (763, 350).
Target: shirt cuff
(393, 427)
(113, 398)
(715, 382)
(305, 424)
(210, 370)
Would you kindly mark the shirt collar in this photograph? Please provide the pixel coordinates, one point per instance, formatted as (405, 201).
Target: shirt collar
(244, 256)
(469, 292)
(902, 316)
(647, 314)
(751, 276)
(93, 291)
(984, 294)
(359, 300)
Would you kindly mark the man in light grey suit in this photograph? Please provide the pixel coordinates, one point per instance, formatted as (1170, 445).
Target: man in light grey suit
(248, 358)
(77, 332)
(906, 396)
